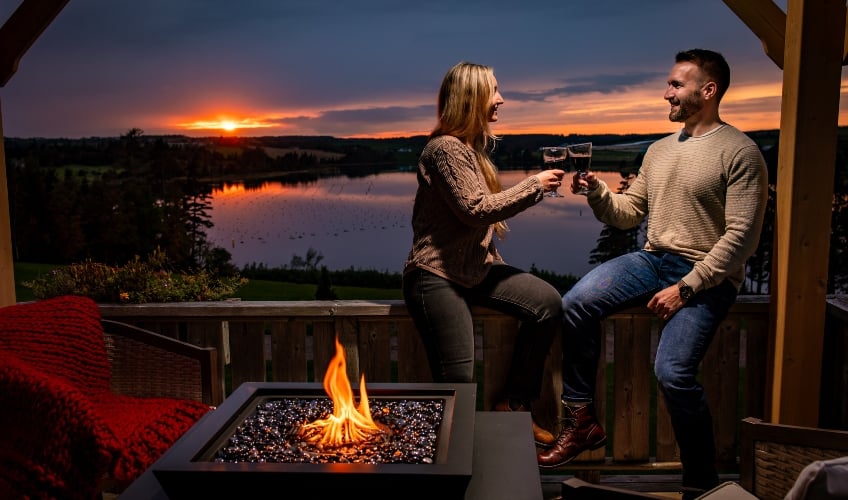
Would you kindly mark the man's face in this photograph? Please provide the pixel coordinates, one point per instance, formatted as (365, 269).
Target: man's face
(685, 82)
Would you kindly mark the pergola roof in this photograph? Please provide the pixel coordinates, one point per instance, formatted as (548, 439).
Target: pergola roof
(809, 43)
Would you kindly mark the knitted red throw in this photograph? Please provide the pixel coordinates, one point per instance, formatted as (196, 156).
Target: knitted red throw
(63, 429)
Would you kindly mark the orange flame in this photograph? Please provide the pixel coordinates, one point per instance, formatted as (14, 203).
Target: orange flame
(349, 423)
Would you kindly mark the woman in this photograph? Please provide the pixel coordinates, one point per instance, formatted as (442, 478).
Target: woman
(454, 264)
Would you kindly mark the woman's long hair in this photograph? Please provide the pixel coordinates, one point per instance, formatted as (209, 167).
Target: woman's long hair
(464, 108)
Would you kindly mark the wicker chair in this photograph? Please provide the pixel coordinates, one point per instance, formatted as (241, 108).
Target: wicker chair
(773, 455)
(147, 364)
(90, 404)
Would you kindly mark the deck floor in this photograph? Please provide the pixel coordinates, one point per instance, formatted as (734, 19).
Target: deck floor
(665, 486)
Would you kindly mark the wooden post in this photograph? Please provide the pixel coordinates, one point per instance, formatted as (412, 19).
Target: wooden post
(7, 268)
(815, 32)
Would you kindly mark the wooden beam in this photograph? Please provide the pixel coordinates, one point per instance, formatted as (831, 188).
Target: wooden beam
(845, 46)
(767, 21)
(17, 35)
(7, 268)
(815, 34)
(22, 29)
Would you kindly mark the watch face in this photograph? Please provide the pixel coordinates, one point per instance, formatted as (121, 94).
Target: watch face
(686, 292)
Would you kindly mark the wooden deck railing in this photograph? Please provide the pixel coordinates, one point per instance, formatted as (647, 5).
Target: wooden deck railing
(292, 341)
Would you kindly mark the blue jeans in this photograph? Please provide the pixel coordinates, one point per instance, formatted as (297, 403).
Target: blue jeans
(631, 280)
(441, 311)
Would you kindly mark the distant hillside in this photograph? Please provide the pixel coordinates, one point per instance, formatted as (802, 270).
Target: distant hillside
(289, 153)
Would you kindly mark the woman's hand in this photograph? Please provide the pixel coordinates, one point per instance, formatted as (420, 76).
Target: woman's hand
(550, 179)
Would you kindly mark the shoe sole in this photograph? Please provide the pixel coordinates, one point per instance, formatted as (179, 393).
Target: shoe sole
(598, 445)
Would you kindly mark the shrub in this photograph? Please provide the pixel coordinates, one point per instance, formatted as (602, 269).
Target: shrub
(135, 283)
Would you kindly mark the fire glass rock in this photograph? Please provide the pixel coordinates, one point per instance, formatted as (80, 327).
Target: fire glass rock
(271, 433)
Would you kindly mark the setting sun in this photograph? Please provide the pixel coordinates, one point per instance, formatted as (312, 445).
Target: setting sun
(226, 124)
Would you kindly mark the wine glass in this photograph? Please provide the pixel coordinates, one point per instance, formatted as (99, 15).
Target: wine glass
(580, 155)
(554, 157)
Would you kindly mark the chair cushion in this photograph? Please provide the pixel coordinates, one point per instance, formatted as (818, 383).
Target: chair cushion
(145, 427)
(62, 336)
(820, 480)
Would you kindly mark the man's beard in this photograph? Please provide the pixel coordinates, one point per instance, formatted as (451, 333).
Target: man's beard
(687, 107)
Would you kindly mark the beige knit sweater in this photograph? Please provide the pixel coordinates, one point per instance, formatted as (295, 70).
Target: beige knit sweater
(705, 199)
(454, 213)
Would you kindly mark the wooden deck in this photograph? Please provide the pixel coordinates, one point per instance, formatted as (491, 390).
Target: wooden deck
(294, 341)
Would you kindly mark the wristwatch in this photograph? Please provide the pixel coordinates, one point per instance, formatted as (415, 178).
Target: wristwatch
(686, 291)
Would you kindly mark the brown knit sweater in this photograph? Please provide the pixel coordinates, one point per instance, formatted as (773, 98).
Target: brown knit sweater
(454, 212)
(705, 199)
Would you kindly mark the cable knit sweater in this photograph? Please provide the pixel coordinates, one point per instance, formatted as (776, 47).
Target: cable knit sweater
(454, 213)
(705, 199)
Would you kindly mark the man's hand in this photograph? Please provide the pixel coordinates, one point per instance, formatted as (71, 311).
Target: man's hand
(666, 302)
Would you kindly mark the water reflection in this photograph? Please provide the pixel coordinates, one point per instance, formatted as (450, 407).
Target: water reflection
(364, 223)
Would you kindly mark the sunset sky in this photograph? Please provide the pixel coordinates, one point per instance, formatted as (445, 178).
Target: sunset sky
(372, 68)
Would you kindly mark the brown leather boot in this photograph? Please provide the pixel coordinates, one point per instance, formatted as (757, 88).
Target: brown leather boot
(542, 437)
(581, 431)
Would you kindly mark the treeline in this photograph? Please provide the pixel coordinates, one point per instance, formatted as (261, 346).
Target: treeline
(362, 277)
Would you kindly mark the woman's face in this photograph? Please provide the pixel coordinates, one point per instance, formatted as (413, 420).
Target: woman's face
(497, 100)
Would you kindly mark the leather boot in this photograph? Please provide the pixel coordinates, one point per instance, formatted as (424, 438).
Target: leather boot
(581, 431)
(542, 437)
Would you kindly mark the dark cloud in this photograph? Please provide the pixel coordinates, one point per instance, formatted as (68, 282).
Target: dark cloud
(602, 83)
(345, 65)
(356, 119)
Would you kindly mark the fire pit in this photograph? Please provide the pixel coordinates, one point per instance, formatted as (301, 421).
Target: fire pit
(337, 450)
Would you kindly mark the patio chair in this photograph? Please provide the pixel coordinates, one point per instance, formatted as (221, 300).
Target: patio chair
(773, 455)
(89, 404)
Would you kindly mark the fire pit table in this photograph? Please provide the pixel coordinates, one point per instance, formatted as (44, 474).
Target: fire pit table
(478, 455)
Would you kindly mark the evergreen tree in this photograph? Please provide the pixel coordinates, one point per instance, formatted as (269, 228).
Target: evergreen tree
(325, 290)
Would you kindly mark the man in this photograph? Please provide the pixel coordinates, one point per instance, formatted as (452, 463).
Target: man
(704, 193)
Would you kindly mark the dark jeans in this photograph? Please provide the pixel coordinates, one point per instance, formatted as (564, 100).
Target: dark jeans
(630, 280)
(441, 311)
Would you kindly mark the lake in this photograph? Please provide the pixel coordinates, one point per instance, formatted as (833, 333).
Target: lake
(364, 223)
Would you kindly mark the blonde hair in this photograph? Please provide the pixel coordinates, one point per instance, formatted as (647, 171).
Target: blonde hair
(464, 108)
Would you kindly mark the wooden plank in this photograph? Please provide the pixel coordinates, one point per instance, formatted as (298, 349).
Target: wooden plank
(601, 402)
(323, 347)
(166, 328)
(316, 309)
(498, 342)
(756, 350)
(631, 389)
(210, 334)
(720, 376)
(288, 351)
(666, 443)
(834, 375)
(247, 351)
(375, 350)
(547, 409)
(412, 357)
(347, 330)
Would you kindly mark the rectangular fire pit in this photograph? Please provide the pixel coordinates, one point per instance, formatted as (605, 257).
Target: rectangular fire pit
(192, 468)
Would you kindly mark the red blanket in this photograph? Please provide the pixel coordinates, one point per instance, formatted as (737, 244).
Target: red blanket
(63, 430)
